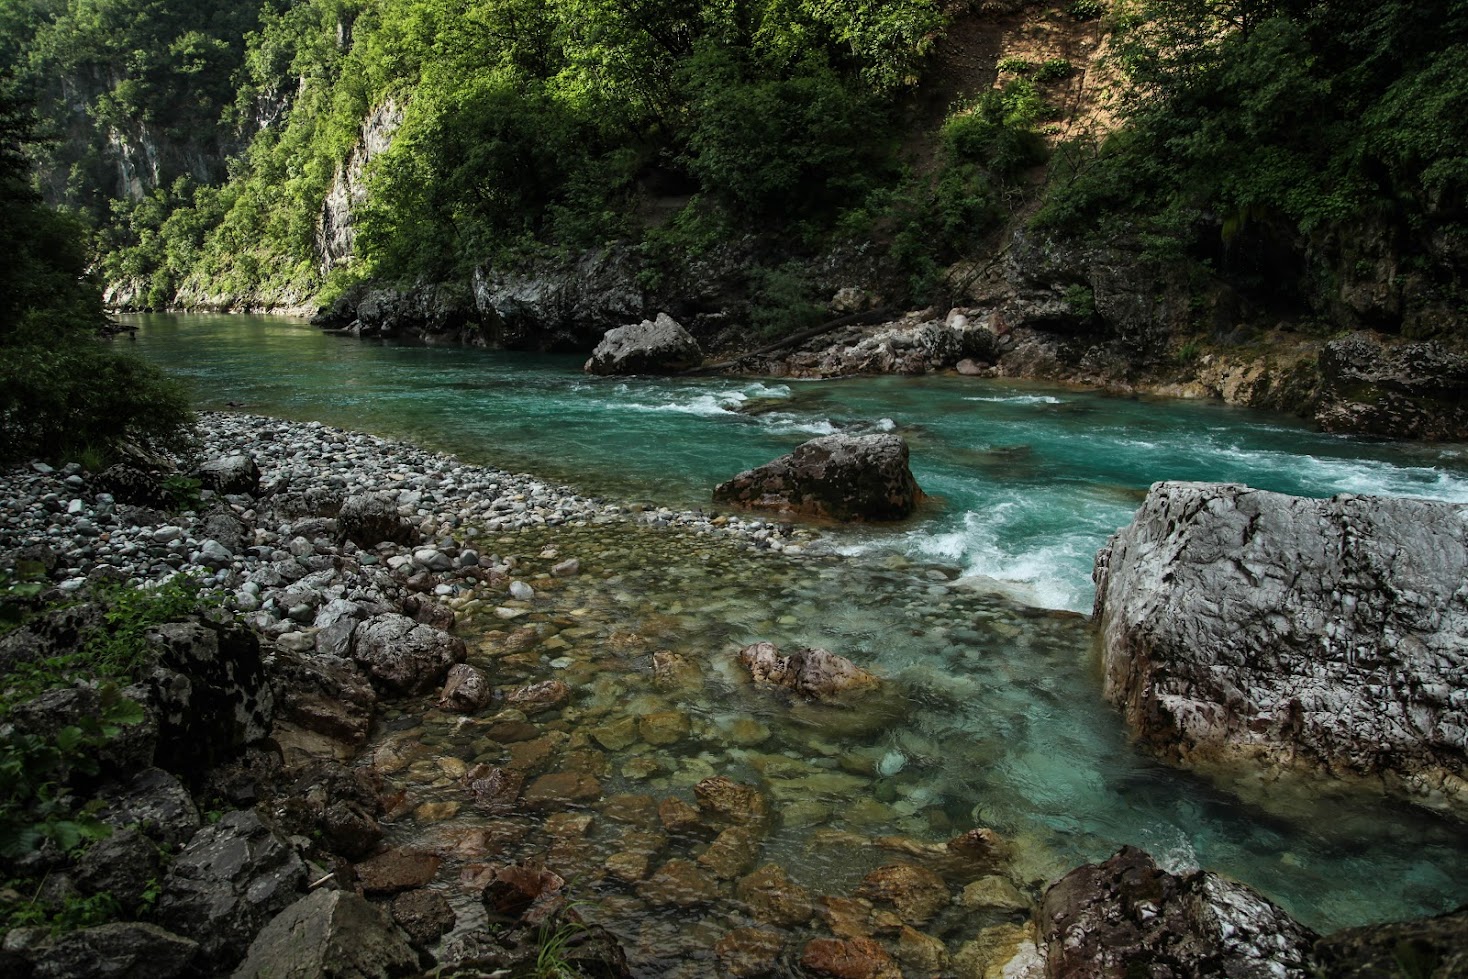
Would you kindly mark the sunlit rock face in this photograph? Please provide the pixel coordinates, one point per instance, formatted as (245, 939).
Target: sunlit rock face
(1241, 623)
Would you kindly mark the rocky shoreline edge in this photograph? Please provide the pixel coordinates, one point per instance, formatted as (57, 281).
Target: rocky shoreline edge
(275, 861)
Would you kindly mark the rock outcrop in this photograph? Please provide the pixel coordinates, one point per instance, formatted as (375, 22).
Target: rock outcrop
(1128, 917)
(1240, 623)
(1413, 390)
(841, 477)
(659, 346)
(564, 306)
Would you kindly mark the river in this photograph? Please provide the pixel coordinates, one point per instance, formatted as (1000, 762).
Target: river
(970, 608)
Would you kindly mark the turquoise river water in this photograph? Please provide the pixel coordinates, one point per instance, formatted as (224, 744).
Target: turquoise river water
(1027, 482)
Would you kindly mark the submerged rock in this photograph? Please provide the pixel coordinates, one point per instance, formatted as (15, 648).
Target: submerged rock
(658, 346)
(1241, 623)
(815, 673)
(1127, 917)
(841, 477)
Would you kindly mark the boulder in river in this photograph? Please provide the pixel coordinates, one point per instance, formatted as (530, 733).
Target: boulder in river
(659, 346)
(1128, 917)
(1241, 623)
(841, 477)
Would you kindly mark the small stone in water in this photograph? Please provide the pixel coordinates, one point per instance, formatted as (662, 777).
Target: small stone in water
(521, 591)
(892, 762)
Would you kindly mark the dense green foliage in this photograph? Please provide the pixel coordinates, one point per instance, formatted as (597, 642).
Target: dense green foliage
(1261, 127)
(523, 126)
(63, 390)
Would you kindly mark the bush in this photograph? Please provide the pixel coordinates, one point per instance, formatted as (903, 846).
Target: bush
(79, 397)
(1087, 9)
(1054, 70)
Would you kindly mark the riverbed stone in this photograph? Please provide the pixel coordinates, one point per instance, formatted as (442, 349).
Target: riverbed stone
(848, 958)
(664, 727)
(814, 673)
(995, 892)
(679, 883)
(396, 870)
(772, 897)
(1243, 624)
(560, 790)
(915, 893)
(466, 689)
(424, 914)
(840, 477)
(746, 953)
(724, 800)
(732, 853)
(536, 697)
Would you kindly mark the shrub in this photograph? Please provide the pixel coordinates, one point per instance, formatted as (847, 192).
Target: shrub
(1054, 70)
(1087, 9)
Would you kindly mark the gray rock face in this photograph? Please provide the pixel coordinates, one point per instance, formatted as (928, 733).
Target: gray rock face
(841, 477)
(227, 883)
(210, 693)
(1241, 623)
(430, 311)
(231, 474)
(336, 231)
(123, 950)
(657, 346)
(332, 935)
(1416, 390)
(156, 802)
(1127, 917)
(404, 657)
(562, 307)
(368, 519)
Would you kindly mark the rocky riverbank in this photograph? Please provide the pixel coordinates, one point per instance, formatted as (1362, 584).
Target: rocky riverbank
(465, 699)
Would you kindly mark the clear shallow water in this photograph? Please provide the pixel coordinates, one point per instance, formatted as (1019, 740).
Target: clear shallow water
(998, 719)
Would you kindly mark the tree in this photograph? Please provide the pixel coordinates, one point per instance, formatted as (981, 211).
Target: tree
(62, 389)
